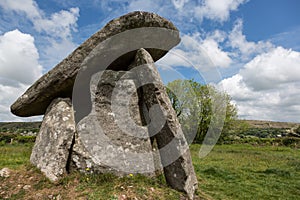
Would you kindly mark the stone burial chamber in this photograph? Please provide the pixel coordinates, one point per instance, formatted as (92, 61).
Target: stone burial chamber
(106, 109)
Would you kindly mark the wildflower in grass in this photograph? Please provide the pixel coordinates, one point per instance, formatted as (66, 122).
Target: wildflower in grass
(131, 175)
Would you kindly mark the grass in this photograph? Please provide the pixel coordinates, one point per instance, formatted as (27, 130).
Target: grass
(248, 172)
(108, 186)
(228, 172)
(74, 185)
(14, 156)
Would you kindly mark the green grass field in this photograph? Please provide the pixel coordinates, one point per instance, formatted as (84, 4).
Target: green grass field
(248, 172)
(15, 156)
(228, 172)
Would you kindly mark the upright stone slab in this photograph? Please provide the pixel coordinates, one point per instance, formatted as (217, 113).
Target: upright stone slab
(106, 144)
(174, 150)
(53, 143)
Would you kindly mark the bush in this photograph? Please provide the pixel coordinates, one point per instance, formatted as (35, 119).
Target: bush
(290, 141)
(16, 138)
(284, 141)
(25, 139)
(7, 137)
(2, 143)
(298, 130)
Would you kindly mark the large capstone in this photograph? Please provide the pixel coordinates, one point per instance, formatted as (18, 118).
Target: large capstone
(53, 143)
(59, 81)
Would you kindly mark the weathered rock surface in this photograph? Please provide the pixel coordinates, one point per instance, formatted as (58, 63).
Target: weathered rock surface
(112, 137)
(174, 150)
(53, 143)
(60, 80)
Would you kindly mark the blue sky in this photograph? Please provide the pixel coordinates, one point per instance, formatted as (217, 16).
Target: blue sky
(249, 48)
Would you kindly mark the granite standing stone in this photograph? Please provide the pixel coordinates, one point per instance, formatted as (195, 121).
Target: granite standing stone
(174, 150)
(106, 144)
(53, 143)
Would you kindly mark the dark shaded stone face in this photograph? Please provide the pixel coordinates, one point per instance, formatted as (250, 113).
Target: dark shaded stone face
(125, 60)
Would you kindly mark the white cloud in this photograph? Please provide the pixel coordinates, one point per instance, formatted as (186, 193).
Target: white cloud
(237, 88)
(19, 57)
(56, 29)
(201, 53)
(19, 67)
(181, 11)
(179, 4)
(268, 87)
(29, 7)
(217, 10)
(144, 5)
(217, 35)
(272, 69)
(237, 40)
(219, 57)
(59, 24)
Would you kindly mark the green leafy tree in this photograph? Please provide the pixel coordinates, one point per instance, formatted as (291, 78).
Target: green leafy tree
(298, 130)
(201, 108)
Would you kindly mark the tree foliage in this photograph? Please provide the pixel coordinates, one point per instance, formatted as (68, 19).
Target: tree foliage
(298, 130)
(201, 108)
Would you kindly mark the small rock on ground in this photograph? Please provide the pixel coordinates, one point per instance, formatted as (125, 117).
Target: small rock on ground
(5, 172)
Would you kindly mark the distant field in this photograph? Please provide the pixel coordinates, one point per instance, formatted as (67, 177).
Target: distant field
(270, 124)
(228, 172)
(19, 125)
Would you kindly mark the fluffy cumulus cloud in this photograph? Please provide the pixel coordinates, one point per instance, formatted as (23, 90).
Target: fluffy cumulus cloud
(217, 10)
(56, 28)
(214, 10)
(19, 67)
(59, 24)
(29, 7)
(277, 67)
(268, 87)
(199, 51)
(19, 57)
